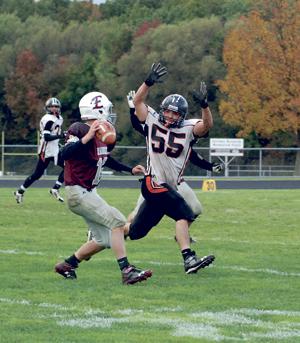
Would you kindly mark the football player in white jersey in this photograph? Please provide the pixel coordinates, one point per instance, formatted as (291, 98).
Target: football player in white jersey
(50, 133)
(183, 188)
(169, 140)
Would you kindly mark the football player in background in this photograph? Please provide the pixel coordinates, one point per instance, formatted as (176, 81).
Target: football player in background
(50, 133)
(183, 188)
(85, 155)
(169, 140)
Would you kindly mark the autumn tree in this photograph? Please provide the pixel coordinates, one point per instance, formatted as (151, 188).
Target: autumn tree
(23, 96)
(262, 86)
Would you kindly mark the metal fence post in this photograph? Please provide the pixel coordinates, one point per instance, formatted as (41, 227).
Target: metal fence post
(260, 163)
(2, 151)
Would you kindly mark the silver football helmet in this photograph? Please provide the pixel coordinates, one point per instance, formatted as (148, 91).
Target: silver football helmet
(53, 102)
(96, 105)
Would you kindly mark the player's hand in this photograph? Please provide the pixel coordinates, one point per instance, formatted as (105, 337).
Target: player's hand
(156, 72)
(130, 97)
(200, 96)
(91, 133)
(139, 169)
(217, 167)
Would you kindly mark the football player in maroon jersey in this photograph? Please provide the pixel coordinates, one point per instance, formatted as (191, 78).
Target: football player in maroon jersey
(85, 156)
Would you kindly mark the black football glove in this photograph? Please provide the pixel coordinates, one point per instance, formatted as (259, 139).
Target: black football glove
(156, 72)
(217, 167)
(200, 97)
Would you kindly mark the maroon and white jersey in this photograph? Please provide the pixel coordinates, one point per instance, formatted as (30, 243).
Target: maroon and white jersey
(83, 162)
(168, 149)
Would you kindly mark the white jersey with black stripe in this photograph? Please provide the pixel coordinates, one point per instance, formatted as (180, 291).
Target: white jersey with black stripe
(168, 149)
(51, 148)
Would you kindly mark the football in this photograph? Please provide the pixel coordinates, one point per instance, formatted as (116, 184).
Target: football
(106, 133)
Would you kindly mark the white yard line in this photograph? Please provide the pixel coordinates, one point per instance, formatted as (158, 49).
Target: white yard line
(237, 241)
(18, 252)
(272, 324)
(159, 263)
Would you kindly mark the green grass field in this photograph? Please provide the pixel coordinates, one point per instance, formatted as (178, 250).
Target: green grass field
(251, 294)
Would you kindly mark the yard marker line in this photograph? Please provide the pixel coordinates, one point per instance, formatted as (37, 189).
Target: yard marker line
(206, 324)
(260, 270)
(258, 312)
(14, 301)
(158, 263)
(236, 268)
(18, 252)
(251, 242)
(129, 311)
(237, 241)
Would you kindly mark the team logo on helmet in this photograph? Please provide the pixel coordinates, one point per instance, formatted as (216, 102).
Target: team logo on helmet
(96, 105)
(97, 102)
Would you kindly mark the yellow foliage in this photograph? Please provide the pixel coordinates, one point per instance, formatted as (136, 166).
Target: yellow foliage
(262, 85)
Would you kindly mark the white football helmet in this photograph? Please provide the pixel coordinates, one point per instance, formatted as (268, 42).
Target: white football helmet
(96, 105)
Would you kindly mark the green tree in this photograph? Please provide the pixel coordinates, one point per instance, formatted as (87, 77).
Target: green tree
(22, 9)
(194, 56)
(79, 80)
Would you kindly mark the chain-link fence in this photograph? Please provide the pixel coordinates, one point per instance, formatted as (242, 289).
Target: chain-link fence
(255, 162)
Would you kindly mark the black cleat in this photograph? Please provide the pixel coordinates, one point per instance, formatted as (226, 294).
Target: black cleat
(131, 275)
(192, 263)
(66, 270)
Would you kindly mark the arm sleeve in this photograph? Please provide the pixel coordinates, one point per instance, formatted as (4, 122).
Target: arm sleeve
(199, 161)
(71, 149)
(136, 124)
(115, 165)
(48, 137)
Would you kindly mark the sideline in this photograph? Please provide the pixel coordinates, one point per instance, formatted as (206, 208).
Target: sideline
(195, 183)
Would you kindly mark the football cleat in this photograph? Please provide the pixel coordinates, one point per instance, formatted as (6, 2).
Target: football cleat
(18, 197)
(192, 263)
(66, 270)
(55, 193)
(131, 275)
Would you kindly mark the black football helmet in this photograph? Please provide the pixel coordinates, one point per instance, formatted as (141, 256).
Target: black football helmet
(53, 102)
(176, 103)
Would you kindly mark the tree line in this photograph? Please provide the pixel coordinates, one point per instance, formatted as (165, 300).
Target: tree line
(247, 52)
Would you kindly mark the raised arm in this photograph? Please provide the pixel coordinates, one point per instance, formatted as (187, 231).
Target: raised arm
(156, 72)
(200, 97)
(136, 124)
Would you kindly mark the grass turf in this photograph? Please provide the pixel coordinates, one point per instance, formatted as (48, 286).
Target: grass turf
(250, 294)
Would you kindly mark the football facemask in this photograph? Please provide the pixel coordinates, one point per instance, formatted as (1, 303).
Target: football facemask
(175, 103)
